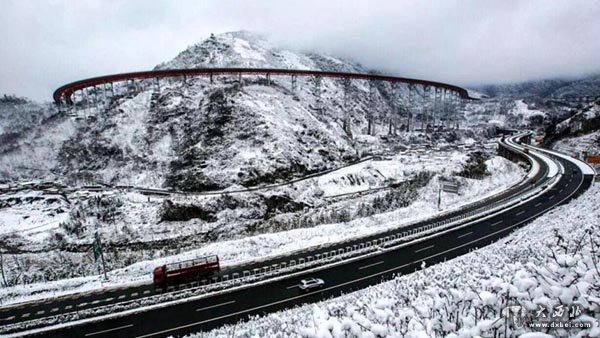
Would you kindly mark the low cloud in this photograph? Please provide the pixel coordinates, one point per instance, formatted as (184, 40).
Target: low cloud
(465, 42)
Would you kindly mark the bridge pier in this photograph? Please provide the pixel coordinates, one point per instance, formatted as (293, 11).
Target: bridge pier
(396, 111)
(317, 92)
(268, 79)
(436, 108)
(456, 106)
(370, 127)
(444, 122)
(409, 108)
(425, 106)
(104, 90)
(294, 82)
(346, 121)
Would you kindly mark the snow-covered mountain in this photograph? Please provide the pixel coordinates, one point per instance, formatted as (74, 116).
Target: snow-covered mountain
(541, 89)
(197, 135)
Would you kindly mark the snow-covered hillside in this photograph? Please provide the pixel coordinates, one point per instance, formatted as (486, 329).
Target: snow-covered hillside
(503, 113)
(133, 219)
(30, 138)
(196, 135)
(541, 89)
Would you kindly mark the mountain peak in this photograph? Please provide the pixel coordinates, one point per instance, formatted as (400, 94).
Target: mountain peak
(253, 50)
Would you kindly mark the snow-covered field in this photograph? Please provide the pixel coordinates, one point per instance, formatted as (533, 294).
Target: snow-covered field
(549, 263)
(503, 174)
(589, 144)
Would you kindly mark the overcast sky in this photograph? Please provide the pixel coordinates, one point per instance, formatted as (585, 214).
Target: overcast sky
(44, 44)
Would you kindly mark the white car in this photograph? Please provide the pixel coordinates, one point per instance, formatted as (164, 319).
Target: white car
(311, 283)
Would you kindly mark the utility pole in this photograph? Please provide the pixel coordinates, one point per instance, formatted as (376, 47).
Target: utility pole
(439, 196)
(97, 247)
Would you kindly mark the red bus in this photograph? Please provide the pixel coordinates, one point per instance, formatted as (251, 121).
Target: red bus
(185, 271)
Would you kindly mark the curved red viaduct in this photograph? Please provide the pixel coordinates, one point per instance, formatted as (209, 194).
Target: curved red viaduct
(63, 95)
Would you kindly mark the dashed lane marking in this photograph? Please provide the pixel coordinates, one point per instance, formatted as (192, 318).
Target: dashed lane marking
(370, 265)
(214, 306)
(463, 235)
(496, 223)
(109, 330)
(423, 249)
(520, 213)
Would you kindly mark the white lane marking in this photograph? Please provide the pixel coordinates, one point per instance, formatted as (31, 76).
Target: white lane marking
(538, 204)
(370, 265)
(82, 304)
(54, 309)
(9, 318)
(349, 282)
(466, 234)
(108, 299)
(496, 223)
(95, 302)
(41, 312)
(134, 294)
(68, 307)
(551, 197)
(25, 315)
(121, 296)
(146, 292)
(423, 249)
(292, 286)
(109, 330)
(561, 190)
(520, 213)
(214, 306)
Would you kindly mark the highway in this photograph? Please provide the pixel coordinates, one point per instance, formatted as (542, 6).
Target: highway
(341, 276)
(78, 302)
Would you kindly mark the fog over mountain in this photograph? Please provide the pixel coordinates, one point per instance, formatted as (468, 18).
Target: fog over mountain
(462, 42)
